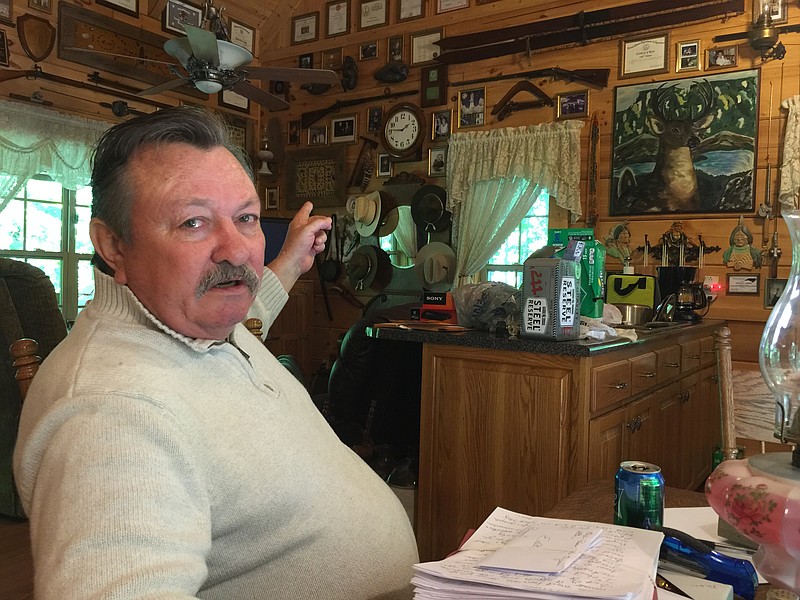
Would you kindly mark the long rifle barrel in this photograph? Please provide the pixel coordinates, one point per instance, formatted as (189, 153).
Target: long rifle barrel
(309, 118)
(593, 77)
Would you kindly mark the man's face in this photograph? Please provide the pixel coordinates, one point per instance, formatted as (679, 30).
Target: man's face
(194, 211)
(739, 239)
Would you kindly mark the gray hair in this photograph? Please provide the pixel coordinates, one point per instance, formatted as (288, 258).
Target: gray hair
(113, 191)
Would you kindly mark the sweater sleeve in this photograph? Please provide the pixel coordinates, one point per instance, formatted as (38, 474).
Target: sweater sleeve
(269, 300)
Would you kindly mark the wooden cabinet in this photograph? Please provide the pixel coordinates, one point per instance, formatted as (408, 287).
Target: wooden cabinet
(290, 333)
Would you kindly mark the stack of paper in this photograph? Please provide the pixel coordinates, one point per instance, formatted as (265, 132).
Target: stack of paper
(518, 556)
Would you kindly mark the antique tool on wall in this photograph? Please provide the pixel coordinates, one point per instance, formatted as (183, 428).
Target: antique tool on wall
(591, 197)
(765, 210)
(593, 77)
(774, 252)
(365, 165)
(506, 106)
(309, 118)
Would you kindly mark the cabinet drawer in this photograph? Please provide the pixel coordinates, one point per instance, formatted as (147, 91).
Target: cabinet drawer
(708, 352)
(668, 362)
(690, 355)
(611, 384)
(644, 373)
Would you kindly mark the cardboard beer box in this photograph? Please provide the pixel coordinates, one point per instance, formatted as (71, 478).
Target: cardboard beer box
(551, 294)
(593, 267)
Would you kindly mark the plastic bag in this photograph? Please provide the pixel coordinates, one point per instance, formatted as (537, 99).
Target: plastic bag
(487, 305)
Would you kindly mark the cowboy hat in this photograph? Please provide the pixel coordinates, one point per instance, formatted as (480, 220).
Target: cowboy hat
(367, 213)
(435, 267)
(428, 208)
(369, 266)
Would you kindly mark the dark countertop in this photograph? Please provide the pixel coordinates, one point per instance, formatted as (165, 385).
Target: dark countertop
(484, 339)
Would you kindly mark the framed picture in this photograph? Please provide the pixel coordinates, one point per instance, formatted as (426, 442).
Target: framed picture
(368, 50)
(433, 90)
(3, 48)
(437, 161)
(471, 107)
(6, 12)
(42, 5)
(394, 48)
(721, 174)
(238, 129)
(374, 119)
(688, 56)
(280, 89)
(293, 132)
(646, 55)
(230, 99)
(271, 198)
(333, 59)
(317, 136)
(441, 124)
(384, 166)
(777, 10)
(423, 46)
(448, 5)
(373, 13)
(572, 105)
(305, 28)
(773, 288)
(243, 35)
(129, 7)
(744, 285)
(343, 129)
(338, 22)
(176, 13)
(410, 9)
(316, 174)
(722, 58)
(306, 61)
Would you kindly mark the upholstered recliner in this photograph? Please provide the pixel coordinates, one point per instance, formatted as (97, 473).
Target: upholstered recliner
(28, 309)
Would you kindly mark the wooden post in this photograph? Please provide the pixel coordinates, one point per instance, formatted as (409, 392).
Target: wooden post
(725, 383)
(23, 351)
(254, 326)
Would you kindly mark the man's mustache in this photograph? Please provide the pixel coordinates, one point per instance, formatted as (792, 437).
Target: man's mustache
(225, 272)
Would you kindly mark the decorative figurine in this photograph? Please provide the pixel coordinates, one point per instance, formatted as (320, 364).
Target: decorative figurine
(741, 256)
(265, 155)
(677, 248)
(618, 243)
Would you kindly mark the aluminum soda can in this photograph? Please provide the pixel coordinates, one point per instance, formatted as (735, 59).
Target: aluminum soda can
(639, 495)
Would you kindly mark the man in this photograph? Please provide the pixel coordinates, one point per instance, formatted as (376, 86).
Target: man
(163, 452)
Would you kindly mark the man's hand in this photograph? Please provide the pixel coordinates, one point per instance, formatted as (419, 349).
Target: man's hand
(306, 238)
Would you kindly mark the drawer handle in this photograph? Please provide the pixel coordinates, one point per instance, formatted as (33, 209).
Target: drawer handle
(685, 396)
(673, 365)
(694, 356)
(634, 425)
(619, 386)
(648, 375)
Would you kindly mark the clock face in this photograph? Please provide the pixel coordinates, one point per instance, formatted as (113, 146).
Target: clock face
(402, 131)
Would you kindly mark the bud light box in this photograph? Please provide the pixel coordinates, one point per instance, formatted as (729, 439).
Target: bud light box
(551, 294)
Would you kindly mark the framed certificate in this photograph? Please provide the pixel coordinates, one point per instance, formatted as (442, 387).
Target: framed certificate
(410, 9)
(423, 46)
(373, 13)
(448, 5)
(305, 28)
(338, 22)
(129, 7)
(645, 55)
(242, 35)
(230, 99)
(177, 13)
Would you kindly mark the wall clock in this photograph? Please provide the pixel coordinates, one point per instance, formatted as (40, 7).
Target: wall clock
(403, 130)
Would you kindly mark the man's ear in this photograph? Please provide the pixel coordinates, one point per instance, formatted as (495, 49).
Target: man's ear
(110, 247)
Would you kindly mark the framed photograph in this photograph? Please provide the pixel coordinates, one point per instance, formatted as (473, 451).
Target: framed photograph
(722, 58)
(42, 5)
(368, 50)
(572, 105)
(778, 10)
(293, 132)
(448, 5)
(317, 136)
(373, 13)
(374, 119)
(280, 89)
(394, 48)
(646, 55)
(129, 7)
(316, 174)
(384, 166)
(305, 28)
(230, 99)
(688, 56)
(242, 35)
(333, 59)
(271, 198)
(423, 46)
(410, 9)
(773, 288)
(238, 129)
(6, 12)
(744, 285)
(343, 129)
(306, 61)
(176, 13)
(441, 124)
(437, 161)
(471, 107)
(720, 175)
(338, 21)
(3, 48)
(433, 83)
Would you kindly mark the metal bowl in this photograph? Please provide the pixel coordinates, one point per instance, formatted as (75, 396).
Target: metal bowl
(635, 314)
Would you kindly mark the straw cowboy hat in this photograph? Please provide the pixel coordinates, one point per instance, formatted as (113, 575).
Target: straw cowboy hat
(435, 267)
(367, 213)
(428, 208)
(369, 266)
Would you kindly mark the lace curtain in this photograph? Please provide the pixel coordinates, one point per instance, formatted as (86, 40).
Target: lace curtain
(36, 140)
(406, 232)
(790, 169)
(495, 177)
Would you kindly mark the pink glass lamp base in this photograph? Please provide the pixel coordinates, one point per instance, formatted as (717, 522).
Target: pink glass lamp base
(760, 497)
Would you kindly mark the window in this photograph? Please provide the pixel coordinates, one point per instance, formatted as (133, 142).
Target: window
(506, 265)
(47, 226)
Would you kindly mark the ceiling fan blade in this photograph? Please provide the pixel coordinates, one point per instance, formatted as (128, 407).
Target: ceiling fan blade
(204, 44)
(163, 87)
(293, 74)
(728, 37)
(6, 75)
(128, 56)
(265, 99)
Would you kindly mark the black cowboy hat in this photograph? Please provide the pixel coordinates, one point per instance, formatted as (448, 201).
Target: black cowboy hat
(428, 208)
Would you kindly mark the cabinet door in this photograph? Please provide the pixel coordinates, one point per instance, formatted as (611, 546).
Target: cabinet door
(290, 333)
(642, 429)
(607, 444)
(668, 433)
(695, 422)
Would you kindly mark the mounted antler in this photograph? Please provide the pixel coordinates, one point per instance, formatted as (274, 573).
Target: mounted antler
(695, 105)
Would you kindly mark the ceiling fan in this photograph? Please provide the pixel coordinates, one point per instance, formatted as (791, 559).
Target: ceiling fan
(763, 35)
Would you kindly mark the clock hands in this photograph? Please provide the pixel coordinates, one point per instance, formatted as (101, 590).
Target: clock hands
(392, 129)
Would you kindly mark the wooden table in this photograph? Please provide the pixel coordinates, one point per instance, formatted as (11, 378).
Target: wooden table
(16, 563)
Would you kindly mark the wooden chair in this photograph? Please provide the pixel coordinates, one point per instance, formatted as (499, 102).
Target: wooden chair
(26, 363)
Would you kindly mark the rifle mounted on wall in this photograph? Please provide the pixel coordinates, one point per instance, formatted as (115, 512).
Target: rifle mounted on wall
(309, 118)
(597, 78)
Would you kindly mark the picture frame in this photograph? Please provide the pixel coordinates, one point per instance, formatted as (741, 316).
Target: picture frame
(437, 161)
(572, 105)
(317, 175)
(383, 167)
(176, 13)
(44, 6)
(234, 101)
(271, 198)
(293, 130)
(722, 57)
(441, 124)
(368, 51)
(779, 10)
(242, 35)
(318, 136)
(744, 284)
(443, 6)
(773, 288)
(635, 186)
(372, 13)
(644, 55)
(128, 7)
(280, 89)
(3, 48)
(306, 61)
(394, 48)
(344, 129)
(408, 10)
(305, 28)
(338, 18)
(239, 131)
(374, 119)
(472, 107)
(687, 56)
(423, 47)
(333, 59)
(433, 85)
(6, 14)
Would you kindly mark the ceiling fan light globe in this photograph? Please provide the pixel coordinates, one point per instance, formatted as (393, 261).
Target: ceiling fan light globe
(208, 87)
(232, 56)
